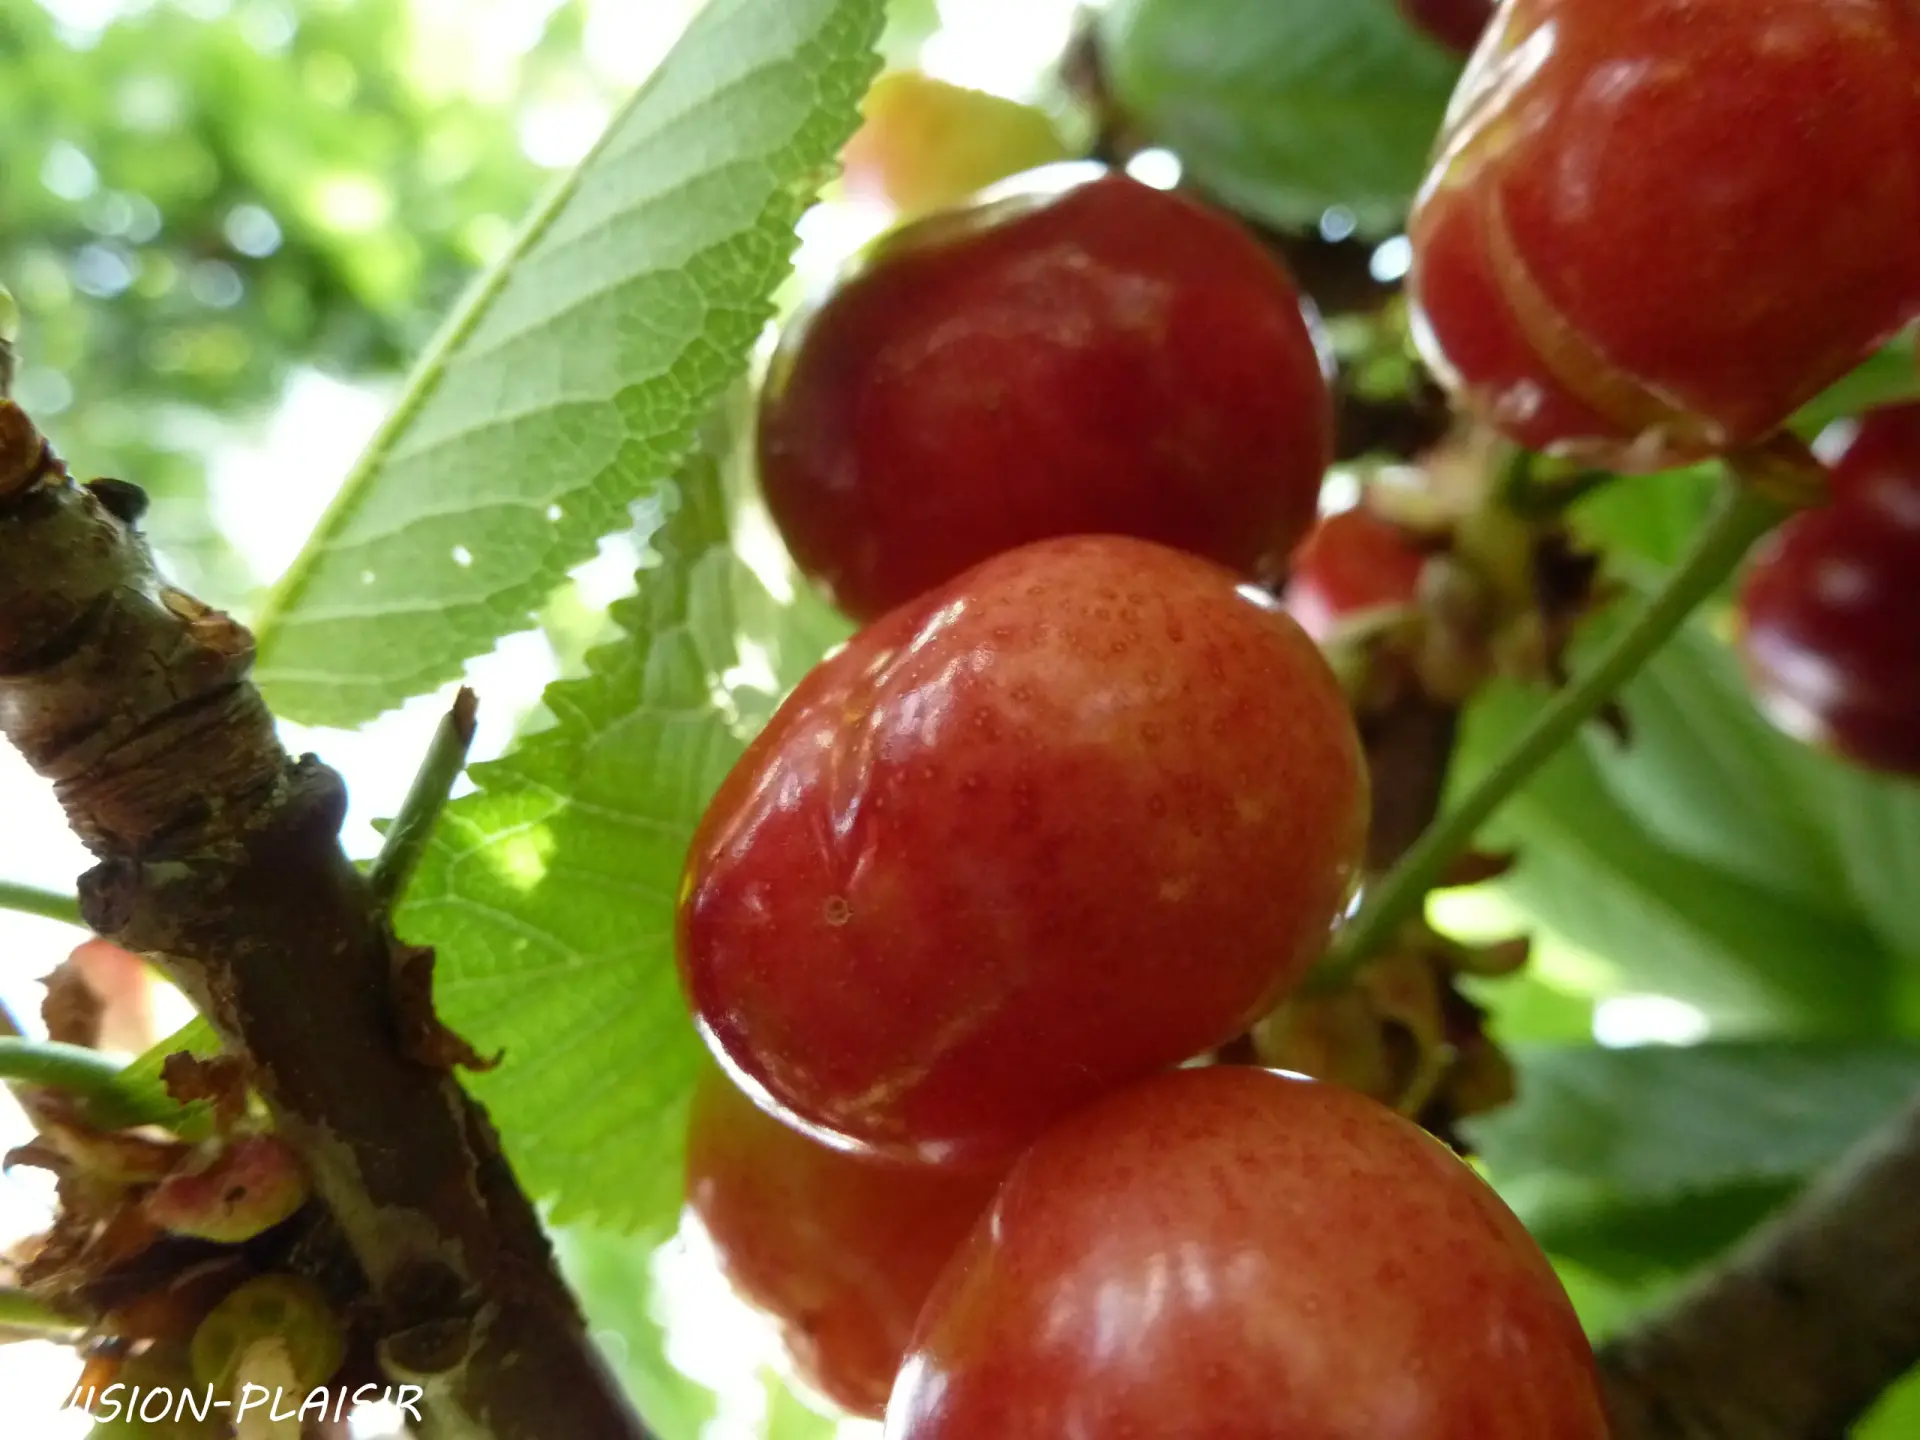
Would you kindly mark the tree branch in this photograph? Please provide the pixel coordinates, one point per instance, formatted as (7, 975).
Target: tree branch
(219, 858)
(1798, 1332)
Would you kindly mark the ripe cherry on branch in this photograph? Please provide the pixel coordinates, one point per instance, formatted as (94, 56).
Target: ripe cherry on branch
(1654, 228)
(838, 1249)
(1830, 609)
(1107, 359)
(1350, 564)
(1235, 1254)
(1079, 815)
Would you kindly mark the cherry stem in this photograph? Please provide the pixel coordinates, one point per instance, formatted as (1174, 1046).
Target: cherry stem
(49, 904)
(406, 838)
(110, 1099)
(1751, 505)
(20, 1310)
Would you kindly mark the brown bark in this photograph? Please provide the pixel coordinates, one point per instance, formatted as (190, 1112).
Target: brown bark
(1802, 1328)
(219, 857)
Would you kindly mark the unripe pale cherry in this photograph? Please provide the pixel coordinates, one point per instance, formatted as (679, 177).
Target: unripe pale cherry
(924, 144)
(1081, 814)
(1236, 1254)
(1106, 358)
(1655, 228)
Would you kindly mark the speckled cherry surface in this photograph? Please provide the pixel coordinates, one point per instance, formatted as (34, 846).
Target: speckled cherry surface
(840, 1251)
(1077, 816)
(1109, 359)
(1830, 608)
(1233, 1254)
(1351, 563)
(1656, 227)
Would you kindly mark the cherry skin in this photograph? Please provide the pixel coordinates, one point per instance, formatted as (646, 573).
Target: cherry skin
(1081, 814)
(926, 145)
(1829, 615)
(1351, 563)
(840, 1250)
(1238, 1254)
(1456, 24)
(1655, 228)
(1110, 359)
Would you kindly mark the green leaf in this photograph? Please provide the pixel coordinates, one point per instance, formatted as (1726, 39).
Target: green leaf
(1874, 823)
(613, 1277)
(1590, 870)
(549, 893)
(1896, 1416)
(1888, 377)
(572, 380)
(1709, 777)
(1660, 1122)
(1283, 110)
(1633, 1167)
(1634, 1241)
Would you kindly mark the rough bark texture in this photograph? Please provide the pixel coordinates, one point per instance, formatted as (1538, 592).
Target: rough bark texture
(1798, 1333)
(219, 857)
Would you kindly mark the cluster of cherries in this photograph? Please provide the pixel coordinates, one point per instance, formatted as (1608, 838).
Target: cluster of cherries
(1653, 230)
(970, 921)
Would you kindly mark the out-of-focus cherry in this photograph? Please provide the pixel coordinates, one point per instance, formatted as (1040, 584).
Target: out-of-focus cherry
(840, 1250)
(1351, 563)
(1830, 608)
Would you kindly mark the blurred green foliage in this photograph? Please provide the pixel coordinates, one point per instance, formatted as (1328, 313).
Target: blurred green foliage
(197, 196)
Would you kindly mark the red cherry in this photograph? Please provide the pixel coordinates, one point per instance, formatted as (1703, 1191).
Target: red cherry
(1351, 563)
(1830, 609)
(1235, 1254)
(1456, 24)
(1656, 227)
(1113, 359)
(1079, 815)
(841, 1251)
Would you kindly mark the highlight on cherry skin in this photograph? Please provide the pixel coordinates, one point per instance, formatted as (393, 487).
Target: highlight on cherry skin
(1081, 814)
(1238, 1254)
(1352, 564)
(1082, 356)
(839, 1250)
(1654, 228)
(1829, 613)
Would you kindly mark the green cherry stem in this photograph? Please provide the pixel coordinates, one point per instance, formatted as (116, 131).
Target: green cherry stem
(110, 1098)
(406, 838)
(50, 904)
(24, 1313)
(1750, 506)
